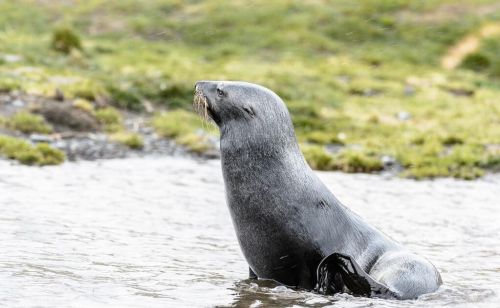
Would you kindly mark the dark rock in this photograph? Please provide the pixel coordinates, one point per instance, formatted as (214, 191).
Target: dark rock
(365, 92)
(388, 161)
(63, 115)
(101, 101)
(334, 148)
(409, 90)
(460, 91)
(59, 95)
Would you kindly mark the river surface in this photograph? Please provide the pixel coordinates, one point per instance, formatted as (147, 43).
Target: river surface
(156, 232)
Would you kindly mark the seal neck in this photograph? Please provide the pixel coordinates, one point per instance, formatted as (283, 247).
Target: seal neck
(250, 145)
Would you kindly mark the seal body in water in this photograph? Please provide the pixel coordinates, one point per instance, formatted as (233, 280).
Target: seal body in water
(290, 227)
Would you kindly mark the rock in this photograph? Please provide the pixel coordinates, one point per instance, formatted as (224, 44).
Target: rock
(344, 79)
(334, 148)
(148, 107)
(62, 114)
(388, 161)
(12, 58)
(101, 101)
(403, 116)
(493, 148)
(409, 90)
(365, 92)
(460, 91)
(212, 154)
(40, 138)
(18, 103)
(59, 95)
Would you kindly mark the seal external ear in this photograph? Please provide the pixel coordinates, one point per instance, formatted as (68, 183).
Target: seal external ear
(340, 273)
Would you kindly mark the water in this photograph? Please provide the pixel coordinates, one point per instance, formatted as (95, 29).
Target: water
(155, 232)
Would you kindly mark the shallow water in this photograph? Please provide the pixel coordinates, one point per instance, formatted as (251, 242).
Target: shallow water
(155, 232)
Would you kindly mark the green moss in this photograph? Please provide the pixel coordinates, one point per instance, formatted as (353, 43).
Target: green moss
(491, 162)
(468, 173)
(84, 105)
(28, 157)
(476, 62)
(110, 118)
(7, 84)
(65, 40)
(317, 157)
(462, 161)
(132, 140)
(354, 161)
(125, 98)
(322, 137)
(195, 143)
(49, 155)
(175, 123)
(185, 128)
(452, 140)
(486, 59)
(351, 161)
(28, 123)
(25, 153)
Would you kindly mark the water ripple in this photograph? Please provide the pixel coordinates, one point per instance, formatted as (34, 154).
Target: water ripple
(156, 232)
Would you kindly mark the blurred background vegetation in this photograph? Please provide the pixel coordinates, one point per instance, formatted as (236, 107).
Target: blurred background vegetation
(374, 84)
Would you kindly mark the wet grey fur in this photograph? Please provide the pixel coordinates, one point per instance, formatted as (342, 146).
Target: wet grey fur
(286, 219)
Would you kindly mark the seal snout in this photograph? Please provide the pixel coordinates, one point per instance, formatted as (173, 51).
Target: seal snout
(204, 87)
(201, 85)
(201, 100)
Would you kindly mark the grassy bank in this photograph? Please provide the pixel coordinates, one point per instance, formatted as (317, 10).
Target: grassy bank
(41, 154)
(363, 80)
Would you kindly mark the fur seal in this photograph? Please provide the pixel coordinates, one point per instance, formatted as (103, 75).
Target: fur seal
(290, 227)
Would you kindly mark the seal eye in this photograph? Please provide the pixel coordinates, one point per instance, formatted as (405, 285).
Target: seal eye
(220, 92)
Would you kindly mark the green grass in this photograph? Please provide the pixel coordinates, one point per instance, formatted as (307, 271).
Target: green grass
(65, 40)
(110, 118)
(486, 59)
(84, 105)
(346, 69)
(28, 123)
(28, 154)
(132, 140)
(346, 160)
(185, 128)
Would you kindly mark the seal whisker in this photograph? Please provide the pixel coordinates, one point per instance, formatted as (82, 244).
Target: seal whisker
(200, 104)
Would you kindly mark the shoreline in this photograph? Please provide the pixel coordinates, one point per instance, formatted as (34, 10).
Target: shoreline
(184, 155)
(98, 139)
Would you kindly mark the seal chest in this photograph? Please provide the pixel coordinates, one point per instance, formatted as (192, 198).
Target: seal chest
(290, 227)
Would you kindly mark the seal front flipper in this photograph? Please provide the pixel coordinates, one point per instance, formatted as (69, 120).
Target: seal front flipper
(340, 273)
(251, 274)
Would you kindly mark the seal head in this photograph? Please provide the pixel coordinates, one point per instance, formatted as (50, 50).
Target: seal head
(244, 111)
